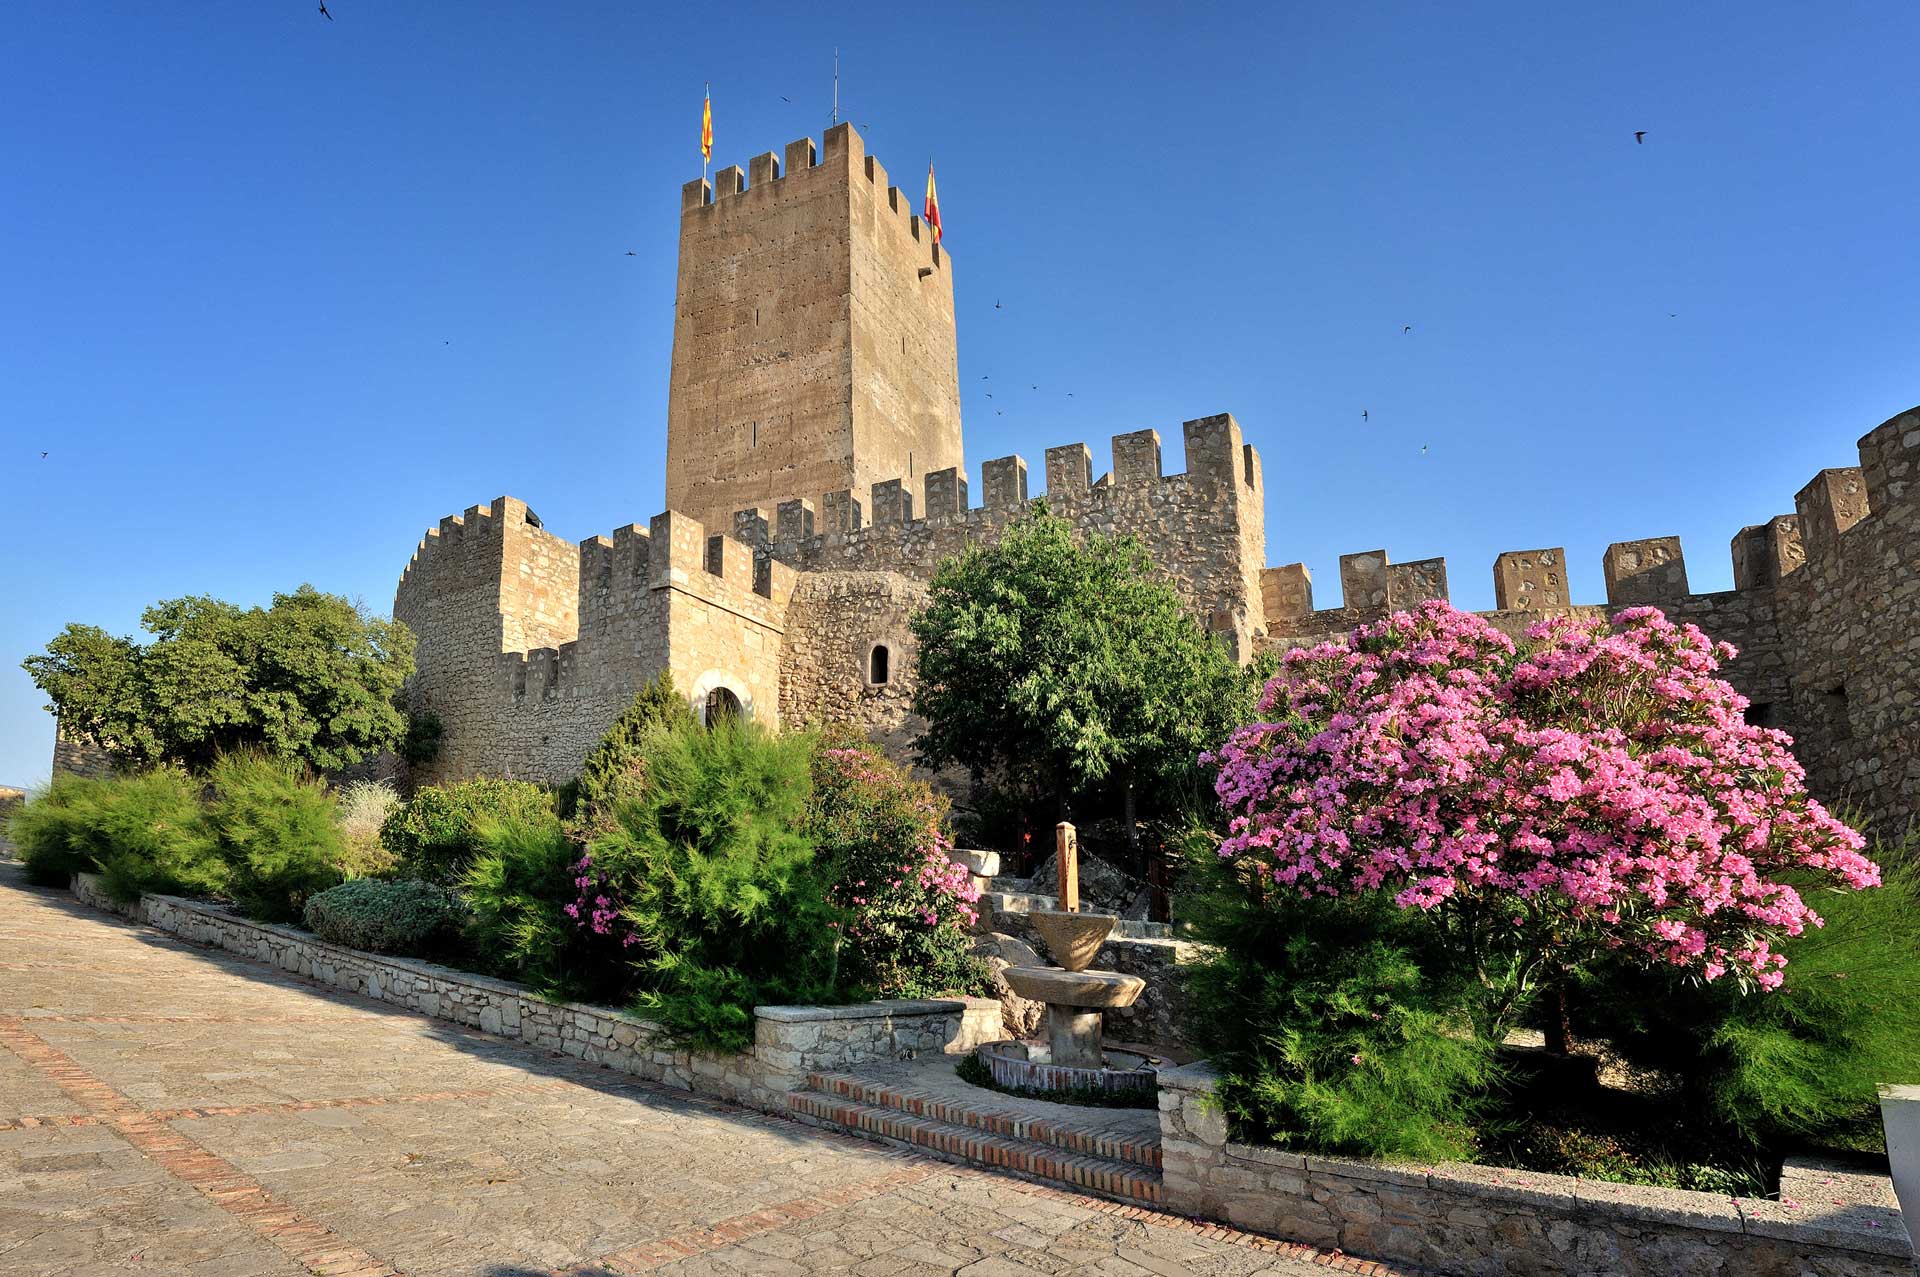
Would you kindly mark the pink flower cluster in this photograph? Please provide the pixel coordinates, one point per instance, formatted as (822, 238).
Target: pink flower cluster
(597, 908)
(1596, 780)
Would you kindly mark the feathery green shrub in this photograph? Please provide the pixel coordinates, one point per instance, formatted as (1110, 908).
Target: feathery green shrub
(50, 831)
(434, 836)
(519, 887)
(276, 828)
(717, 885)
(616, 770)
(1329, 1032)
(412, 918)
(141, 832)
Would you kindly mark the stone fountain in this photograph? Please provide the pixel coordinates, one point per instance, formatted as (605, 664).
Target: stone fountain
(1072, 1056)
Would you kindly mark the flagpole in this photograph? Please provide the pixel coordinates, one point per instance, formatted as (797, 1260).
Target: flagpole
(706, 159)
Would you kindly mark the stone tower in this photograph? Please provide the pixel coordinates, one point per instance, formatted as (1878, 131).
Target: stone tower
(813, 336)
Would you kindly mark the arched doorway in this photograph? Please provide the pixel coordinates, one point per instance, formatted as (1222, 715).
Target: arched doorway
(721, 703)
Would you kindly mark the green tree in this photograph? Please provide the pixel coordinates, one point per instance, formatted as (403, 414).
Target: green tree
(312, 678)
(1055, 664)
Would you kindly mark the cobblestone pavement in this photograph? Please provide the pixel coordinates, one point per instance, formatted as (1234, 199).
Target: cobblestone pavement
(167, 1109)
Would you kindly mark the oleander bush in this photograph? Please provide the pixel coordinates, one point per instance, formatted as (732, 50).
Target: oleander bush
(434, 836)
(1576, 829)
(364, 807)
(406, 917)
(881, 839)
(277, 830)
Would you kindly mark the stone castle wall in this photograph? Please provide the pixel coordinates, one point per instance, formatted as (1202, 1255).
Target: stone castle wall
(594, 622)
(1205, 526)
(814, 342)
(1824, 610)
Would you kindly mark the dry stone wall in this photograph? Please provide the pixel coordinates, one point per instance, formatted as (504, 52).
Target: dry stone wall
(1458, 1218)
(789, 1042)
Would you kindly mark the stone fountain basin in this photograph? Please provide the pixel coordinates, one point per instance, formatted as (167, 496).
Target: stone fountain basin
(1073, 939)
(1097, 989)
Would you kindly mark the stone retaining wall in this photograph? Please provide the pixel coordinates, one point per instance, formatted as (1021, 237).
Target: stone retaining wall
(789, 1042)
(1481, 1220)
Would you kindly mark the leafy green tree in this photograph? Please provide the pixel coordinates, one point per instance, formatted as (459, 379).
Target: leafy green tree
(1057, 664)
(312, 678)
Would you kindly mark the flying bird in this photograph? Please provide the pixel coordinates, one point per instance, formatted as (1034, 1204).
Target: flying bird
(43, 456)
(1036, 387)
(989, 394)
(1407, 329)
(323, 11)
(631, 253)
(785, 98)
(999, 412)
(996, 305)
(1423, 449)
(1363, 415)
(1640, 137)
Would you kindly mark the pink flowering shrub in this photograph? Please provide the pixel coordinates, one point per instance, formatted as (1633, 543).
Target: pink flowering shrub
(596, 905)
(907, 908)
(1592, 788)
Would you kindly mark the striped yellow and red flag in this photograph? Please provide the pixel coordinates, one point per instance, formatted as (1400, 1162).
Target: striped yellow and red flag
(931, 214)
(706, 127)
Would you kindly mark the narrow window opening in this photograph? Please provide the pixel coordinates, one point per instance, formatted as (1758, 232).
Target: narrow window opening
(909, 465)
(1833, 708)
(1760, 714)
(878, 663)
(753, 440)
(756, 316)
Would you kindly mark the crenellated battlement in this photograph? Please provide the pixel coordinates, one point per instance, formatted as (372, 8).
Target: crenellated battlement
(1218, 460)
(1651, 571)
(1822, 602)
(842, 157)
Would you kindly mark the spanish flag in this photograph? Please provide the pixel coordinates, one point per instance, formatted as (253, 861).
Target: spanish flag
(931, 214)
(706, 128)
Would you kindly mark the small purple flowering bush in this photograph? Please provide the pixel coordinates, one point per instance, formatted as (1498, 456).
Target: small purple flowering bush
(1434, 834)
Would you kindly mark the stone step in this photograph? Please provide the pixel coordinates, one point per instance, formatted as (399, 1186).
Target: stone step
(1117, 1135)
(999, 902)
(1123, 1181)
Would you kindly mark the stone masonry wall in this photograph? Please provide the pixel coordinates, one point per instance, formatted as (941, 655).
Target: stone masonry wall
(604, 616)
(813, 334)
(834, 623)
(1205, 527)
(1454, 1217)
(1825, 612)
(789, 1042)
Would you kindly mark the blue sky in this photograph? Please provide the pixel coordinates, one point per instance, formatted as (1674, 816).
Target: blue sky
(278, 292)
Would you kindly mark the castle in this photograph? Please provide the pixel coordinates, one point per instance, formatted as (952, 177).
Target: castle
(815, 478)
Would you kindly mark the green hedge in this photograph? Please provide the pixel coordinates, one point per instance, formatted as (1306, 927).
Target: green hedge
(412, 918)
(434, 836)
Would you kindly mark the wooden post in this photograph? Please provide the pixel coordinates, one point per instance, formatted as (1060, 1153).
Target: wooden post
(1066, 847)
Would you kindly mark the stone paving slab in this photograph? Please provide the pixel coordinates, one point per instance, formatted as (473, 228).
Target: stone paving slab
(165, 1109)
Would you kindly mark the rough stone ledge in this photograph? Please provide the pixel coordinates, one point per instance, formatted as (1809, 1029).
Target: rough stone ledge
(898, 1007)
(1273, 1190)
